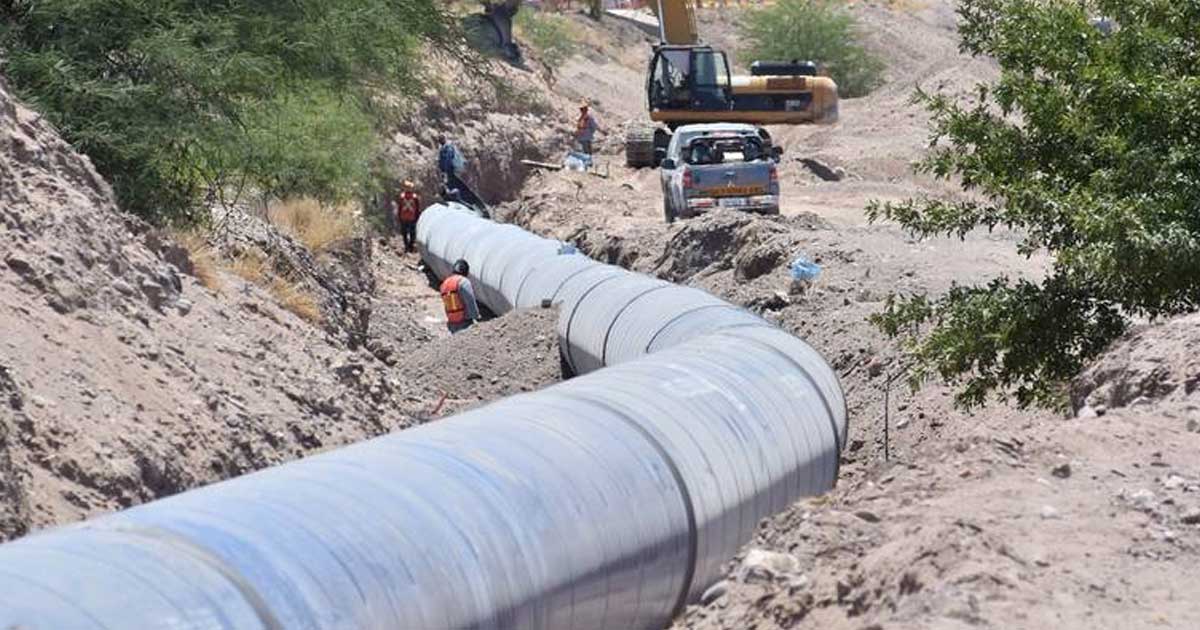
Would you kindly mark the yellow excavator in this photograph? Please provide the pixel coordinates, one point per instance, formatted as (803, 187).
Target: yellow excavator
(689, 82)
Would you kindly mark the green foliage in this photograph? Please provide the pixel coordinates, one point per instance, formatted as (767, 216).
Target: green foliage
(173, 99)
(1089, 146)
(813, 30)
(552, 35)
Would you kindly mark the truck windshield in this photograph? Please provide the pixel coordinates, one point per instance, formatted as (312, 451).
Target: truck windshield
(723, 150)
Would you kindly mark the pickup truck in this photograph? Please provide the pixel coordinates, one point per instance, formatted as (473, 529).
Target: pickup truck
(719, 165)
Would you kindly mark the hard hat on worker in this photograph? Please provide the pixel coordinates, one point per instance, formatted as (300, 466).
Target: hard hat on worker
(583, 104)
(408, 185)
(461, 267)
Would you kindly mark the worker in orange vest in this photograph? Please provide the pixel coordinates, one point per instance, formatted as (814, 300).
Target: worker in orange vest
(585, 128)
(408, 210)
(458, 298)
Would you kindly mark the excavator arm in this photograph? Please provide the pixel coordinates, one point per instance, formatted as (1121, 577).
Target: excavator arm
(676, 21)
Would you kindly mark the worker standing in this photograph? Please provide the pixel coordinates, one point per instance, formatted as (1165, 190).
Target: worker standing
(408, 210)
(458, 298)
(450, 163)
(585, 128)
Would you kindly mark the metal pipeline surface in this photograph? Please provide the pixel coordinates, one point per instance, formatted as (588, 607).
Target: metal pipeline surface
(607, 314)
(606, 501)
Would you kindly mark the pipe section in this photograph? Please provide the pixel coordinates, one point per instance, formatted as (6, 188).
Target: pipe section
(608, 501)
(607, 314)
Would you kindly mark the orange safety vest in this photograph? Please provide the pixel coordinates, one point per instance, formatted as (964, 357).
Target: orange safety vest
(456, 311)
(409, 204)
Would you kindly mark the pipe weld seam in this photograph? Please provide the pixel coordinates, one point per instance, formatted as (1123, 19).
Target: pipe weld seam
(257, 603)
(837, 440)
(685, 496)
(667, 326)
(617, 317)
(571, 319)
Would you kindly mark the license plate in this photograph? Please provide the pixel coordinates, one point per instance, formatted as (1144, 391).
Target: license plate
(733, 202)
(735, 191)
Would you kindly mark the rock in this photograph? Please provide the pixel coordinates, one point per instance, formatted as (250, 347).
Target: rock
(714, 592)
(875, 367)
(179, 257)
(869, 517)
(1193, 425)
(843, 590)
(153, 292)
(1086, 411)
(1142, 500)
(759, 261)
(19, 265)
(1191, 516)
(1101, 410)
(1049, 513)
(183, 306)
(56, 258)
(474, 376)
(822, 170)
(122, 287)
(903, 422)
(774, 302)
(1173, 482)
(1062, 471)
(763, 565)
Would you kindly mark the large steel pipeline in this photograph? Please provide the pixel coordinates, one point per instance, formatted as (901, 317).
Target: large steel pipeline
(607, 501)
(607, 314)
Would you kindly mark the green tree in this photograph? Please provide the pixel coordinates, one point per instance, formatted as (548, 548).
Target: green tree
(1089, 146)
(812, 30)
(173, 99)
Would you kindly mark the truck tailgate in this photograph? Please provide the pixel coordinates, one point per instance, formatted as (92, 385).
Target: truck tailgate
(738, 179)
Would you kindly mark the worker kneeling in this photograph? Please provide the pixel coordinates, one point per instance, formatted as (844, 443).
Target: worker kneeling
(458, 298)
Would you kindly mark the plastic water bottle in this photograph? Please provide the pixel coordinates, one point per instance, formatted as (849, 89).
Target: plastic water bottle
(804, 273)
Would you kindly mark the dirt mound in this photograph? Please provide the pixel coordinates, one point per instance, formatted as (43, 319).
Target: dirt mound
(1152, 365)
(511, 354)
(750, 245)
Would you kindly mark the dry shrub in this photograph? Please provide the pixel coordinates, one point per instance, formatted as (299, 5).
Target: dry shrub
(202, 257)
(315, 225)
(251, 267)
(295, 298)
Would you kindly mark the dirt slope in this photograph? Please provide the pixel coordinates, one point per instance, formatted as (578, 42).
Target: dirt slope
(124, 380)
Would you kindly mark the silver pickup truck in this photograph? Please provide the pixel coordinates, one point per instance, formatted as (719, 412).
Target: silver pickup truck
(720, 165)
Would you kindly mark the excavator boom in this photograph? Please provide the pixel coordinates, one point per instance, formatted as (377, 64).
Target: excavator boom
(676, 21)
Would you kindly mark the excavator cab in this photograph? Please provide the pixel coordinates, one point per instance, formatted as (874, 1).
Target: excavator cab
(689, 78)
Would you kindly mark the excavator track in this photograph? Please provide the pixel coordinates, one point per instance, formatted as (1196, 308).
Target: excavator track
(645, 143)
(639, 145)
